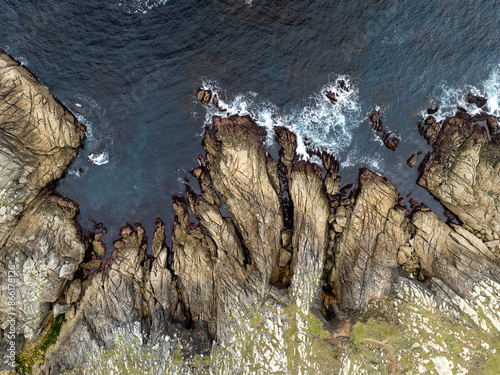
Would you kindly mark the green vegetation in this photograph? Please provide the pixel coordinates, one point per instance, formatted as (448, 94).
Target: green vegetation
(28, 358)
(402, 334)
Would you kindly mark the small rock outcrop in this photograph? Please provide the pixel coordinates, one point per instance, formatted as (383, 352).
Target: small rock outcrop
(390, 141)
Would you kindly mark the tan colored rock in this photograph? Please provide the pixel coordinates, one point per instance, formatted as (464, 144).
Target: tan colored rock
(286, 237)
(342, 221)
(111, 298)
(464, 174)
(285, 257)
(366, 252)
(337, 228)
(38, 139)
(99, 248)
(492, 123)
(445, 257)
(91, 265)
(74, 291)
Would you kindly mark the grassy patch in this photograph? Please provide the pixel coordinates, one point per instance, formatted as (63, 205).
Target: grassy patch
(28, 358)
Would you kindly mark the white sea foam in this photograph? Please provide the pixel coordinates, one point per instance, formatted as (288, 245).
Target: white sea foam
(74, 172)
(141, 6)
(353, 159)
(451, 97)
(320, 124)
(99, 159)
(492, 88)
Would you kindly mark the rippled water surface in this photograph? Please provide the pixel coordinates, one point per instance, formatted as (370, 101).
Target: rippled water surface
(129, 69)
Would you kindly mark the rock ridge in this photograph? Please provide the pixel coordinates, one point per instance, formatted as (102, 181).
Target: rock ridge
(261, 234)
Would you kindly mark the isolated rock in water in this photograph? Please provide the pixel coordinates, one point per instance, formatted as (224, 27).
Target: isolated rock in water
(463, 172)
(390, 141)
(204, 96)
(412, 160)
(478, 100)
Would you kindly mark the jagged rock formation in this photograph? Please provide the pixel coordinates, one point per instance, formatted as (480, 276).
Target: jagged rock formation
(366, 249)
(463, 172)
(263, 247)
(38, 233)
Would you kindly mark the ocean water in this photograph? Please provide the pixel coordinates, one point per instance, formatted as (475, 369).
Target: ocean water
(129, 69)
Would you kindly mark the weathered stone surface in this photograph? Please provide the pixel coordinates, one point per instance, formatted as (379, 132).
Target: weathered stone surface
(464, 174)
(492, 123)
(38, 234)
(449, 256)
(111, 300)
(281, 241)
(366, 251)
(204, 96)
(38, 139)
(411, 160)
(45, 250)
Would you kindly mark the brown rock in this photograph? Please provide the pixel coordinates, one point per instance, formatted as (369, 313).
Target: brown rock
(391, 143)
(204, 96)
(412, 160)
(464, 174)
(492, 124)
(99, 248)
(284, 257)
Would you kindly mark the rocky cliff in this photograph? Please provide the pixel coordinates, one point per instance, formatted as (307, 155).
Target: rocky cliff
(39, 236)
(272, 268)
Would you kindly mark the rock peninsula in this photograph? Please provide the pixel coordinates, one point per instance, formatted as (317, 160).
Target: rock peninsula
(272, 268)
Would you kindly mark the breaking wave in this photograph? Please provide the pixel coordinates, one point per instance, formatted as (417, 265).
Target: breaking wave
(96, 142)
(321, 124)
(450, 97)
(99, 159)
(141, 6)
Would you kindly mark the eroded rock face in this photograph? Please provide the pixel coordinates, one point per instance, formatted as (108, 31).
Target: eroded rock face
(39, 138)
(38, 232)
(111, 300)
(463, 172)
(46, 250)
(261, 237)
(366, 250)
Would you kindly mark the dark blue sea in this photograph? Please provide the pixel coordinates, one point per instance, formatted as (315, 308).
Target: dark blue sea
(129, 69)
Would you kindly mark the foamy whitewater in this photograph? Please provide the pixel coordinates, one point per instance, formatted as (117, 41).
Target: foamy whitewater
(450, 97)
(319, 124)
(99, 159)
(141, 6)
